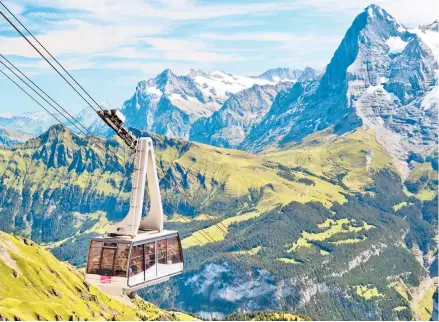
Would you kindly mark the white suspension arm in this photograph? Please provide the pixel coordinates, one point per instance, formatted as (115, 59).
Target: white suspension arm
(144, 168)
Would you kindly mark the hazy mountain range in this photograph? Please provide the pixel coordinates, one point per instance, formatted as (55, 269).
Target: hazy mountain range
(169, 104)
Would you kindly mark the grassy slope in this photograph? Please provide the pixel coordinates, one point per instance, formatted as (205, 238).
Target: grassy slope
(243, 171)
(35, 285)
(420, 181)
(352, 157)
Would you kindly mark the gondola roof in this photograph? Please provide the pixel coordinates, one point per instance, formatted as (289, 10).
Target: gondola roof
(142, 235)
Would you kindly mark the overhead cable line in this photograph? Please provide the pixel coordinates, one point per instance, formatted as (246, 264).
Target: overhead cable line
(45, 58)
(98, 143)
(49, 97)
(72, 120)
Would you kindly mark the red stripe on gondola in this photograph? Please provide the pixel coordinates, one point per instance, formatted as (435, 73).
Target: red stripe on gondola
(106, 279)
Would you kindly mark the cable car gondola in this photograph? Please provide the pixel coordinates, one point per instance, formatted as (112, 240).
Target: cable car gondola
(135, 252)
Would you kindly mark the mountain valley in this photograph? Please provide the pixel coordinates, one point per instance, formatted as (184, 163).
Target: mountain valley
(344, 214)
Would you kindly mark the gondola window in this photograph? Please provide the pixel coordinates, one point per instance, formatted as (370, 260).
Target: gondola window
(149, 255)
(137, 261)
(94, 257)
(161, 244)
(173, 251)
(121, 261)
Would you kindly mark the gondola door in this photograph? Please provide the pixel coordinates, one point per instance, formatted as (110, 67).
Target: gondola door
(136, 270)
(170, 259)
(150, 263)
(143, 266)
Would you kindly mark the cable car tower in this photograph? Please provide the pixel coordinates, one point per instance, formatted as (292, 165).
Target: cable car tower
(135, 252)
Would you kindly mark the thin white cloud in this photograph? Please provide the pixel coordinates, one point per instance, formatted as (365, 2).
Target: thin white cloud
(174, 44)
(44, 15)
(116, 10)
(129, 53)
(291, 45)
(202, 56)
(77, 37)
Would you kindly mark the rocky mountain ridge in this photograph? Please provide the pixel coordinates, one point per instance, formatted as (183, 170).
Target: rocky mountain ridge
(229, 126)
(169, 104)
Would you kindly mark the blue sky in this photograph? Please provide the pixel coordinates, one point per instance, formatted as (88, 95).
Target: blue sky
(110, 45)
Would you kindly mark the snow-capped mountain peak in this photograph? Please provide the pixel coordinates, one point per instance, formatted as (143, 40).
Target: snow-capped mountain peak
(281, 75)
(434, 26)
(309, 74)
(196, 72)
(169, 103)
(382, 76)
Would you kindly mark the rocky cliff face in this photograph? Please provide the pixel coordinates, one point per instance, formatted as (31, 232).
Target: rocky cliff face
(229, 126)
(382, 75)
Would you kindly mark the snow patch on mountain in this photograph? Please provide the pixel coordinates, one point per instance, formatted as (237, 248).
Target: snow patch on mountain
(154, 91)
(396, 45)
(221, 85)
(430, 100)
